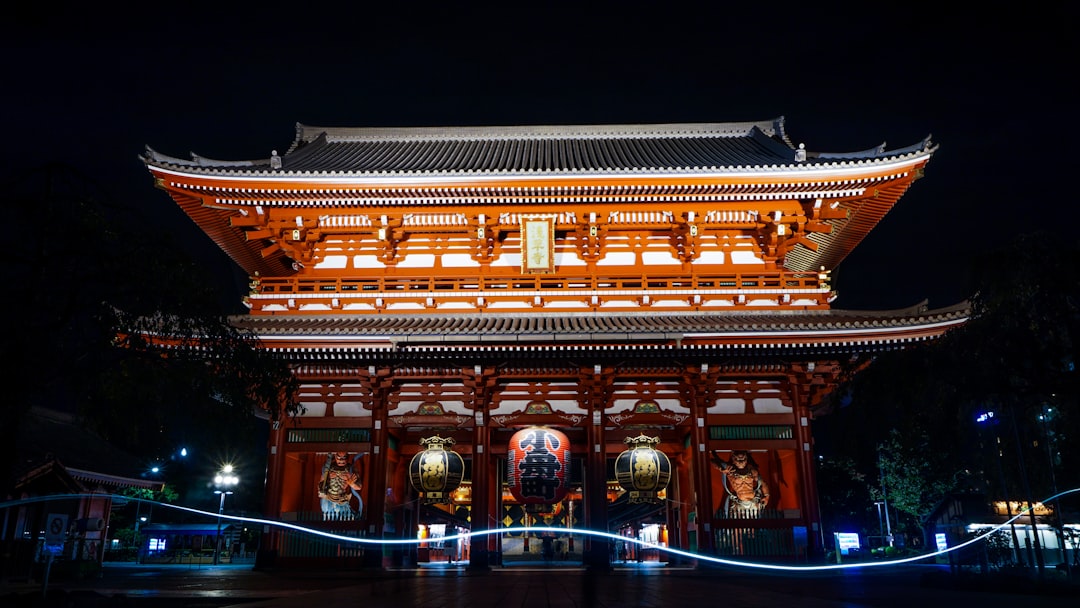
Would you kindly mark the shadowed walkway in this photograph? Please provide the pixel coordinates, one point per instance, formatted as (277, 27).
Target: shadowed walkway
(525, 586)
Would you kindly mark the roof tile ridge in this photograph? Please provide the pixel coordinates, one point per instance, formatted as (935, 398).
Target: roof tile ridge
(593, 131)
(878, 153)
(918, 310)
(152, 156)
(204, 161)
(781, 148)
(874, 152)
(301, 149)
(906, 311)
(926, 146)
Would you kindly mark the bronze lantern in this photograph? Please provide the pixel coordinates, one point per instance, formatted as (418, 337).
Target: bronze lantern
(642, 470)
(436, 471)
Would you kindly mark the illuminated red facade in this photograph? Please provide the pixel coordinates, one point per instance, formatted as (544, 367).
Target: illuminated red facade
(600, 280)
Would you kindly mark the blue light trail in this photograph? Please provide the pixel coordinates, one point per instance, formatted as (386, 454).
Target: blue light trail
(540, 529)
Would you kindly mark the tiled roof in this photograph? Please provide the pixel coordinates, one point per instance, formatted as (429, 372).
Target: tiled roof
(45, 435)
(588, 327)
(533, 150)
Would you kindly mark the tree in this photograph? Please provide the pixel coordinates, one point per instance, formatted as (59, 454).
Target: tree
(1017, 354)
(1023, 335)
(844, 495)
(117, 322)
(910, 416)
(896, 426)
(914, 478)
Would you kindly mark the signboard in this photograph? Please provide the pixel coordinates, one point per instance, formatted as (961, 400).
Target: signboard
(942, 542)
(56, 526)
(846, 541)
(802, 540)
(537, 244)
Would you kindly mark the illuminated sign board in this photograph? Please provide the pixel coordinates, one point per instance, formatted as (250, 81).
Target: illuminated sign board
(846, 541)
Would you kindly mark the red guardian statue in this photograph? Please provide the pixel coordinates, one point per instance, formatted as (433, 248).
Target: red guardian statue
(747, 493)
(338, 484)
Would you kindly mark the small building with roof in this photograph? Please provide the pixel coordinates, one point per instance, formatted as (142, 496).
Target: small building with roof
(65, 472)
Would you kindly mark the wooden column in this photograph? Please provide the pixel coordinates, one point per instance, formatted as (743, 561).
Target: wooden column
(496, 471)
(380, 385)
(683, 465)
(698, 396)
(595, 392)
(481, 484)
(597, 554)
(376, 495)
(275, 465)
(808, 383)
(807, 473)
(481, 381)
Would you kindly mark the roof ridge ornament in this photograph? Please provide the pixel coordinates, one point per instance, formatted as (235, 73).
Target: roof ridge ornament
(275, 160)
(800, 154)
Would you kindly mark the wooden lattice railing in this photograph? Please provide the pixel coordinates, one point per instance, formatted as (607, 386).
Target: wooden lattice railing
(656, 291)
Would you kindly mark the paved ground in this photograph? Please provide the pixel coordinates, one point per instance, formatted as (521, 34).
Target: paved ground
(540, 585)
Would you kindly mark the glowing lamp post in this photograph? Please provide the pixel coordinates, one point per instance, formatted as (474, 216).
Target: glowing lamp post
(223, 481)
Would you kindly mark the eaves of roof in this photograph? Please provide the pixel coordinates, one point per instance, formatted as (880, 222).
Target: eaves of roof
(341, 333)
(114, 481)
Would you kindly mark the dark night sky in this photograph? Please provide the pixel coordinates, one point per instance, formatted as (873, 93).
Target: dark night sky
(91, 89)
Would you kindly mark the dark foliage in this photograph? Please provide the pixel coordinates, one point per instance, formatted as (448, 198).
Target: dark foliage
(96, 277)
(920, 417)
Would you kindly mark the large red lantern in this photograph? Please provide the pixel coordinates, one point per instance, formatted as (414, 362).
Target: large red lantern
(538, 465)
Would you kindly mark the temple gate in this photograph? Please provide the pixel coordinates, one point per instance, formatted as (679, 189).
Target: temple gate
(605, 281)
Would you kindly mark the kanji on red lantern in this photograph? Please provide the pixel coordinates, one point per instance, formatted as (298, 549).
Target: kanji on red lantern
(538, 465)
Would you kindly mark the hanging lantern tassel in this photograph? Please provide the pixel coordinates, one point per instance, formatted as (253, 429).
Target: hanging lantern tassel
(436, 471)
(642, 470)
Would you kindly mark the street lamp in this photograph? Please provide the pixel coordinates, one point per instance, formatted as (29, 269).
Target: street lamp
(886, 527)
(987, 418)
(223, 481)
(1046, 417)
(884, 503)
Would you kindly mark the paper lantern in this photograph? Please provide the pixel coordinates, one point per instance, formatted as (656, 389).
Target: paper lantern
(642, 470)
(538, 465)
(436, 471)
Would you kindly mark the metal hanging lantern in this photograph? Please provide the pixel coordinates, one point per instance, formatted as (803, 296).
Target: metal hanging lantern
(436, 471)
(538, 465)
(642, 470)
